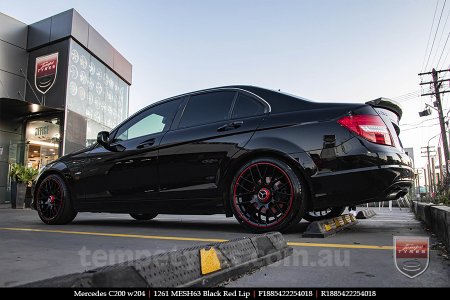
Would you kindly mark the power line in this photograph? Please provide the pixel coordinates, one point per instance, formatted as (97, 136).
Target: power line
(429, 36)
(412, 97)
(440, 39)
(445, 59)
(435, 34)
(432, 125)
(445, 101)
(409, 99)
(408, 96)
(443, 49)
(419, 122)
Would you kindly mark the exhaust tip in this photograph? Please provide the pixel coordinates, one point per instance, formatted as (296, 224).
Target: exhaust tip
(401, 194)
(396, 195)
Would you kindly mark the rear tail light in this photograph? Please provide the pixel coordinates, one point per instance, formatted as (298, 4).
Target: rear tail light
(370, 127)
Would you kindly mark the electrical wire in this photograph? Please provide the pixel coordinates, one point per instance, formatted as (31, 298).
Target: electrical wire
(409, 99)
(443, 49)
(408, 96)
(435, 34)
(432, 125)
(429, 36)
(419, 122)
(412, 95)
(440, 39)
(445, 59)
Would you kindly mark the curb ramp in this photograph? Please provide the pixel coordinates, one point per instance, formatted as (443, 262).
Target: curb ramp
(365, 214)
(326, 228)
(199, 266)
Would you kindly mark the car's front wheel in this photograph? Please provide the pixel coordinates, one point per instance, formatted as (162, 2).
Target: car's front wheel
(53, 201)
(144, 217)
(267, 195)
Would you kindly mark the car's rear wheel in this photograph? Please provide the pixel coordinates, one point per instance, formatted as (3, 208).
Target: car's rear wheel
(53, 201)
(317, 215)
(144, 217)
(267, 195)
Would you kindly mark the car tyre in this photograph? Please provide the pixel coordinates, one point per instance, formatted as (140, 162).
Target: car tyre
(53, 201)
(144, 217)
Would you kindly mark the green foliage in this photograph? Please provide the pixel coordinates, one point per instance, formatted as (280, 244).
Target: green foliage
(23, 174)
(443, 193)
(443, 197)
(15, 170)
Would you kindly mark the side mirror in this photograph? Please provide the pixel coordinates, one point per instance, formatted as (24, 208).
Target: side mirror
(103, 138)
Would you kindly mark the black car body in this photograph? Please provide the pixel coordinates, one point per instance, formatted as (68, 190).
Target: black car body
(193, 153)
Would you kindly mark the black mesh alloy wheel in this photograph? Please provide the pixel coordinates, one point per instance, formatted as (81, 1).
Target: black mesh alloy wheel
(267, 195)
(53, 201)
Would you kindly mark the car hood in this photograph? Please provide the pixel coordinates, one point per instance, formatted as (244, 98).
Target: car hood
(75, 153)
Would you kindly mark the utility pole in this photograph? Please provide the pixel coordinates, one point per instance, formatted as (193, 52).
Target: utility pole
(426, 181)
(441, 119)
(433, 174)
(418, 179)
(437, 93)
(441, 169)
(428, 153)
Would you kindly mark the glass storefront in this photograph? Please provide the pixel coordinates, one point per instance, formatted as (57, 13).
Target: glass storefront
(42, 142)
(97, 99)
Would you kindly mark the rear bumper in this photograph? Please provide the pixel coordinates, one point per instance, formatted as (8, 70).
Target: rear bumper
(363, 185)
(362, 177)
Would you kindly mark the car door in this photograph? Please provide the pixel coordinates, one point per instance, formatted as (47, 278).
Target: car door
(213, 126)
(129, 174)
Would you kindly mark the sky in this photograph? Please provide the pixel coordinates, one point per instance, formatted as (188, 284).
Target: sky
(334, 50)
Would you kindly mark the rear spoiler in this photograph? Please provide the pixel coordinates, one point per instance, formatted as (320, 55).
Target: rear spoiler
(389, 104)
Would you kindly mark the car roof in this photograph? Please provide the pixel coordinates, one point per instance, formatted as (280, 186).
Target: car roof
(277, 100)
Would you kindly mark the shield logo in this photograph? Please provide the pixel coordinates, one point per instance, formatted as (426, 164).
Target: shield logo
(411, 254)
(45, 72)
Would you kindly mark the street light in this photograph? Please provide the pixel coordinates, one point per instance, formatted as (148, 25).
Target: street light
(432, 138)
(425, 112)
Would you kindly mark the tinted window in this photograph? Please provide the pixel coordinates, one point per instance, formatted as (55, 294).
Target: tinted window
(153, 120)
(281, 102)
(247, 106)
(207, 108)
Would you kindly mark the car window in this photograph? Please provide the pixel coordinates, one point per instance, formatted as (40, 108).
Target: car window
(207, 108)
(247, 106)
(153, 120)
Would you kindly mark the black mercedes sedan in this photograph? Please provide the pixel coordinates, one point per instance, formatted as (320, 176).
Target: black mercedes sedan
(266, 157)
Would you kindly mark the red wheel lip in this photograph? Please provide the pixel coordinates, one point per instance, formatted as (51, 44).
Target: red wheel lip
(290, 199)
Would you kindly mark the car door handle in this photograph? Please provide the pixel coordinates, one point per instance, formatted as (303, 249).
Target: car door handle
(146, 144)
(230, 126)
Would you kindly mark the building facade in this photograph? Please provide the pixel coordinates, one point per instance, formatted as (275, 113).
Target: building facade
(61, 83)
